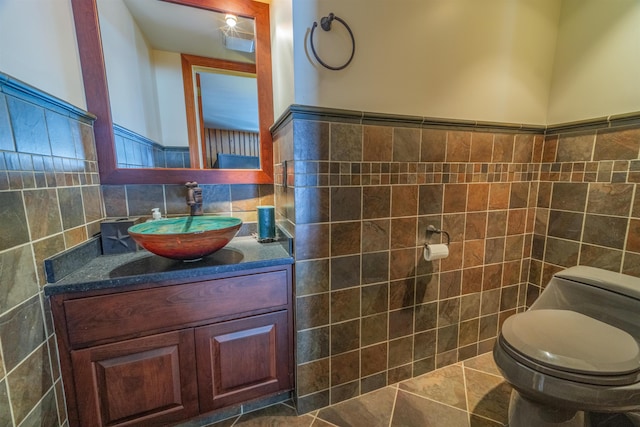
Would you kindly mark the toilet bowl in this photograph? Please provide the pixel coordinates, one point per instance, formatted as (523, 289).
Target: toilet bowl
(575, 351)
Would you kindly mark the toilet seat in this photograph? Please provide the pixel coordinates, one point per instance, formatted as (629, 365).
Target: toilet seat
(570, 345)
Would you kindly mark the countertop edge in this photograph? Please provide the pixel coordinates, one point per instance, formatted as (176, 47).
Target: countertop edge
(122, 282)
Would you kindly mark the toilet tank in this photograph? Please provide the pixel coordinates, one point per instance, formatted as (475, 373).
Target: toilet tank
(610, 297)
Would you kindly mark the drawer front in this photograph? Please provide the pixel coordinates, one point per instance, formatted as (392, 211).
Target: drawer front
(95, 319)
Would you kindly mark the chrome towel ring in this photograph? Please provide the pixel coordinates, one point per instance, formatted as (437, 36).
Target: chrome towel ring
(325, 23)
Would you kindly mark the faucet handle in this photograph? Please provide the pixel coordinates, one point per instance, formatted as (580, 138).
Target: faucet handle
(192, 190)
(194, 197)
(197, 195)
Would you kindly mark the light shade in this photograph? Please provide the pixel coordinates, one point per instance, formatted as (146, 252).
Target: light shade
(231, 20)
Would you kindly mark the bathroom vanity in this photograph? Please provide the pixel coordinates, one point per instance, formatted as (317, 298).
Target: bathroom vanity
(145, 340)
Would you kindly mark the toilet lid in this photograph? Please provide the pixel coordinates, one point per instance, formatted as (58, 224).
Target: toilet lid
(570, 341)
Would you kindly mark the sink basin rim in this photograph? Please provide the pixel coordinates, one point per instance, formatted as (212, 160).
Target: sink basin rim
(210, 222)
(205, 235)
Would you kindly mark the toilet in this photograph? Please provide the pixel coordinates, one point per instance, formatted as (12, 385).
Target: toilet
(575, 352)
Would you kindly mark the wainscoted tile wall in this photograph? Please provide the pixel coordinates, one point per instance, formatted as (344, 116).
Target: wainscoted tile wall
(357, 194)
(370, 311)
(136, 151)
(50, 200)
(137, 200)
(588, 206)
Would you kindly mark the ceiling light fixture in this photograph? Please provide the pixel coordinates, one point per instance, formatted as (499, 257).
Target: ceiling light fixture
(231, 20)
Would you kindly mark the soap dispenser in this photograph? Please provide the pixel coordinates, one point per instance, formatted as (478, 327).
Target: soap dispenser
(155, 214)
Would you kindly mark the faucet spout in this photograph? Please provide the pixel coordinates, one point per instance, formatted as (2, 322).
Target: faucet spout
(194, 198)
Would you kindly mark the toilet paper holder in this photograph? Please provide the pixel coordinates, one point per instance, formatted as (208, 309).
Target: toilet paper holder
(431, 230)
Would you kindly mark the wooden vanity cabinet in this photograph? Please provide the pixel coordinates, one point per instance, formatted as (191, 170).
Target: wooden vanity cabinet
(157, 354)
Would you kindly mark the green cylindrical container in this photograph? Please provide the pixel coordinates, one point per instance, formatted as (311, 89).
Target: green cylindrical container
(266, 223)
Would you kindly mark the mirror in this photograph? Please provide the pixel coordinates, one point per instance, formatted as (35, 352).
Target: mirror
(98, 99)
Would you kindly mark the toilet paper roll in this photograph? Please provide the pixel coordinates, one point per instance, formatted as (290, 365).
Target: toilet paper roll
(434, 252)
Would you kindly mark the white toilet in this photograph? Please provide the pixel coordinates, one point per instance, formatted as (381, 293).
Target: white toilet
(575, 351)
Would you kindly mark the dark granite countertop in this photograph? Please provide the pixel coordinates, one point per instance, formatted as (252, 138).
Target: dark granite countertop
(86, 269)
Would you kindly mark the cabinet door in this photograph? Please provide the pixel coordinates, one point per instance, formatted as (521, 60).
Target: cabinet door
(143, 381)
(242, 359)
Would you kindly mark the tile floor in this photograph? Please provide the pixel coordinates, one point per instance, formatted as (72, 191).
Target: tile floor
(470, 393)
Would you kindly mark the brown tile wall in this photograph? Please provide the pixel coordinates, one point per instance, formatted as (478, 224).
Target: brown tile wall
(588, 205)
(50, 200)
(370, 311)
(137, 200)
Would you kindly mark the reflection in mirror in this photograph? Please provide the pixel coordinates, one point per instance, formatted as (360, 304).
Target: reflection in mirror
(141, 96)
(230, 138)
(225, 112)
(229, 113)
(151, 127)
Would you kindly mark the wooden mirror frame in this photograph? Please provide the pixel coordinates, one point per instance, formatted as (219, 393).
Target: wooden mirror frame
(85, 14)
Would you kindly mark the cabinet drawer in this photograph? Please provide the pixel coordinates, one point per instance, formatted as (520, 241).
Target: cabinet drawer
(96, 319)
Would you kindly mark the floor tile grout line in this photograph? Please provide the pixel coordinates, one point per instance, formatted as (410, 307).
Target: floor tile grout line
(323, 420)
(394, 385)
(314, 417)
(466, 393)
(485, 372)
(433, 400)
(393, 408)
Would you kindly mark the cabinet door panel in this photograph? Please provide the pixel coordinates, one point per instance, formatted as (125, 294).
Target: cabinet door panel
(140, 381)
(233, 369)
(242, 359)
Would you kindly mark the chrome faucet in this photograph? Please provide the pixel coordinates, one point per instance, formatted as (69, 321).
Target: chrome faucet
(194, 198)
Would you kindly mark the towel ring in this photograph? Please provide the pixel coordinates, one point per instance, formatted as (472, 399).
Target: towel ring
(325, 23)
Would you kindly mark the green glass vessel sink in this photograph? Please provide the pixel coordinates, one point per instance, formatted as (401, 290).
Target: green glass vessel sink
(187, 238)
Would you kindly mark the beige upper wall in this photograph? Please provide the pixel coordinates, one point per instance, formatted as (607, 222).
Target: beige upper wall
(146, 95)
(280, 12)
(130, 71)
(485, 60)
(441, 59)
(597, 61)
(38, 46)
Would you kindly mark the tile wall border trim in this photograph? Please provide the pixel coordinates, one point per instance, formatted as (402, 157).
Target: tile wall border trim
(613, 121)
(307, 112)
(14, 87)
(128, 134)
